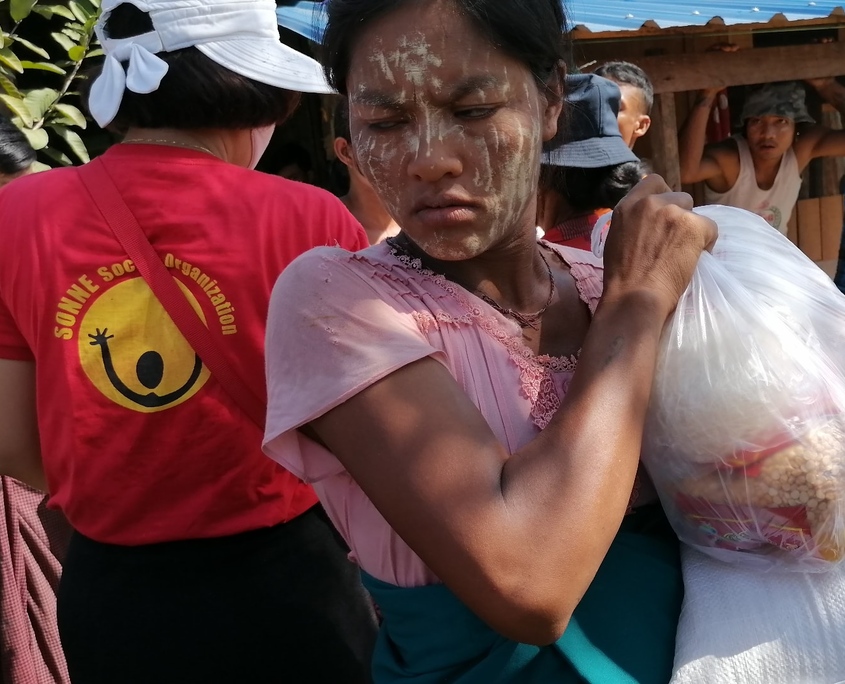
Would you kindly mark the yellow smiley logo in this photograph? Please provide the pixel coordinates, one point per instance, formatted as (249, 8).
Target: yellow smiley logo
(134, 354)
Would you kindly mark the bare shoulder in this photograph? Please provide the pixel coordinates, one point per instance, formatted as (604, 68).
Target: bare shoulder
(724, 151)
(725, 155)
(817, 141)
(807, 137)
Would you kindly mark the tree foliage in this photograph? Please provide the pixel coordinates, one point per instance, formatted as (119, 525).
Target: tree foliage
(42, 48)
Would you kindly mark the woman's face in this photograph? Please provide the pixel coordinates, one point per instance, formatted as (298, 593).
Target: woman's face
(448, 129)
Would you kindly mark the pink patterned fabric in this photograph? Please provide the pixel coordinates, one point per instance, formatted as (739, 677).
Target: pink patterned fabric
(378, 311)
(33, 541)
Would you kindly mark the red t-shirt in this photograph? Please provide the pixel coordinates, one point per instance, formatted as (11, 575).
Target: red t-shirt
(576, 232)
(139, 443)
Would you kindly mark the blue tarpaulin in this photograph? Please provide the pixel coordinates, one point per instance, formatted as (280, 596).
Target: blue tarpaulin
(308, 19)
(305, 18)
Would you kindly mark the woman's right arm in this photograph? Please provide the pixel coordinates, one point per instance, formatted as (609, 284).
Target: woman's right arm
(519, 537)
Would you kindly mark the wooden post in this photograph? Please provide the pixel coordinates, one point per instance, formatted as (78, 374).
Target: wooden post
(831, 226)
(664, 144)
(809, 228)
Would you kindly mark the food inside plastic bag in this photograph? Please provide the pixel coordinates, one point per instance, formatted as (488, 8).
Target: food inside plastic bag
(745, 438)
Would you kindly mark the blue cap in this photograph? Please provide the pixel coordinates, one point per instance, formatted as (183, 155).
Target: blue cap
(590, 137)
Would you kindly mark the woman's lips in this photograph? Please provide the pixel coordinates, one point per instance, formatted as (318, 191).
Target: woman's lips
(452, 215)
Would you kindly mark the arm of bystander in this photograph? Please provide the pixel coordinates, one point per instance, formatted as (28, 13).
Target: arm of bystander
(20, 449)
(820, 141)
(699, 161)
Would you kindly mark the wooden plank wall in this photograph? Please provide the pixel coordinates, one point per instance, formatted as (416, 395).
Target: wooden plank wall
(816, 227)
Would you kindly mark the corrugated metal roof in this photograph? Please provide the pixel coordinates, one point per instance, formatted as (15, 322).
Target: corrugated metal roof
(631, 15)
(307, 19)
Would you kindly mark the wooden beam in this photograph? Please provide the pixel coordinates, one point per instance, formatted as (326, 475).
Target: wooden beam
(664, 143)
(681, 72)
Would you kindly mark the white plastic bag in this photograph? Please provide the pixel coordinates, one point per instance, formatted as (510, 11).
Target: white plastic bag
(745, 438)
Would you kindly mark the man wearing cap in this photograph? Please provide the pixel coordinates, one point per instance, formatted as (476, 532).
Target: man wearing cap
(760, 170)
(589, 166)
(637, 98)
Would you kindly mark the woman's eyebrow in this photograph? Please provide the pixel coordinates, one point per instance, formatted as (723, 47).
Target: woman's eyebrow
(473, 84)
(376, 98)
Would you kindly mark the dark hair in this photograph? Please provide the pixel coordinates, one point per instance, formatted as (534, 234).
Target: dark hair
(530, 31)
(16, 154)
(196, 92)
(340, 120)
(590, 189)
(294, 153)
(629, 74)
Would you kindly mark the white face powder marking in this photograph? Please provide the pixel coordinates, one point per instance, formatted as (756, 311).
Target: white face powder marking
(432, 139)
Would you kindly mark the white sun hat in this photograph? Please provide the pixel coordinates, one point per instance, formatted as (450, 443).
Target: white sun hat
(240, 35)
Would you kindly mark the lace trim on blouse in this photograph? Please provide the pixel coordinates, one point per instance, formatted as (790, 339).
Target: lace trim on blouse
(536, 371)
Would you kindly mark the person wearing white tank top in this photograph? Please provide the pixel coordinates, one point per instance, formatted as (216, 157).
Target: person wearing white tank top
(773, 204)
(760, 170)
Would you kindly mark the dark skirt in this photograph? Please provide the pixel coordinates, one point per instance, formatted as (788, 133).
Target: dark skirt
(282, 604)
(622, 632)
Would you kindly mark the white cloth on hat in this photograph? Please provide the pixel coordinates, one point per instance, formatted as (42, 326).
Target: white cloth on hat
(240, 35)
(143, 74)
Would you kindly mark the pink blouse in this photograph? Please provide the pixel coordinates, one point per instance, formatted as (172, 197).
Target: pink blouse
(340, 321)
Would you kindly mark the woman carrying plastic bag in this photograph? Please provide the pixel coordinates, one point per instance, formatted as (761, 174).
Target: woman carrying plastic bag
(745, 442)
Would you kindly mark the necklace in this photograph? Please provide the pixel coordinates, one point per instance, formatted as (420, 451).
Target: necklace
(525, 320)
(172, 143)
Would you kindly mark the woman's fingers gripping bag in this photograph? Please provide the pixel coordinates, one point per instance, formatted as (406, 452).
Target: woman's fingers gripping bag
(745, 439)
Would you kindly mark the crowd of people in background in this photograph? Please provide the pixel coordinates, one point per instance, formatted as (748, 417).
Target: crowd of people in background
(437, 379)
(760, 168)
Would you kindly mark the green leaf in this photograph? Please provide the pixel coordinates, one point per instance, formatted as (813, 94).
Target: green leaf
(9, 58)
(63, 40)
(47, 11)
(74, 142)
(75, 32)
(40, 51)
(90, 6)
(82, 14)
(20, 9)
(70, 115)
(18, 107)
(44, 66)
(58, 156)
(9, 87)
(39, 100)
(37, 137)
(76, 53)
(95, 53)
(38, 167)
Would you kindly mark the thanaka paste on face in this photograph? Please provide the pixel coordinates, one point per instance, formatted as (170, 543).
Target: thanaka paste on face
(504, 154)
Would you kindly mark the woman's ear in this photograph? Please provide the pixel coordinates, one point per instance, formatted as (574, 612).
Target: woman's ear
(554, 102)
